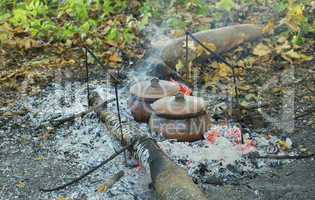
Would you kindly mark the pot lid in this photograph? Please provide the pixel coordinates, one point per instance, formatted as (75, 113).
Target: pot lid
(179, 106)
(154, 89)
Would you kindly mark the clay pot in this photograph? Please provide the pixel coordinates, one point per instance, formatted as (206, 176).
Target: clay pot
(179, 117)
(144, 93)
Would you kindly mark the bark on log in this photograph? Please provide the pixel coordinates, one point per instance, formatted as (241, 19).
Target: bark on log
(223, 39)
(169, 180)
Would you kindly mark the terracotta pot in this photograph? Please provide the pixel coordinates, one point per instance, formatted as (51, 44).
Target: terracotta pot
(183, 118)
(144, 93)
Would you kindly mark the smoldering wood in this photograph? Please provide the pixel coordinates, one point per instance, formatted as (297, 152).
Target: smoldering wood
(170, 181)
(223, 39)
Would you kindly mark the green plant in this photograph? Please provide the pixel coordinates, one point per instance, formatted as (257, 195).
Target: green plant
(227, 5)
(20, 17)
(42, 28)
(281, 6)
(66, 31)
(176, 22)
(37, 8)
(112, 7)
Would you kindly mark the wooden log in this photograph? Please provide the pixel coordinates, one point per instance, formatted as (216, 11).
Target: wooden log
(218, 40)
(169, 180)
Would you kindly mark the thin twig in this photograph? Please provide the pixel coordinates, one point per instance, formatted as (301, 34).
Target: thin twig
(102, 65)
(87, 75)
(120, 123)
(88, 172)
(186, 58)
(283, 157)
(222, 59)
(58, 121)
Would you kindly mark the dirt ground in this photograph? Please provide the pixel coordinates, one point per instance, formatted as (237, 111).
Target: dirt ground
(29, 162)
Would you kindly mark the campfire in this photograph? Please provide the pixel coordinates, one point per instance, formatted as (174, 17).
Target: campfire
(161, 133)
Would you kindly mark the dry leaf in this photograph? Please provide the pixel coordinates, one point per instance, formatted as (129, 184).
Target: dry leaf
(281, 48)
(292, 25)
(26, 43)
(298, 56)
(261, 50)
(269, 28)
(179, 65)
(39, 158)
(244, 87)
(21, 184)
(211, 46)
(7, 114)
(103, 188)
(223, 70)
(282, 39)
(115, 58)
(63, 198)
(200, 50)
(177, 33)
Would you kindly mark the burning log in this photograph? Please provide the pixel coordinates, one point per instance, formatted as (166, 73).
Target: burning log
(169, 180)
(218, 40)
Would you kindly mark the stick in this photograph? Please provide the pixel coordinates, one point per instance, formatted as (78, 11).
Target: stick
(283, 157)
(58, 121)
(88, 172)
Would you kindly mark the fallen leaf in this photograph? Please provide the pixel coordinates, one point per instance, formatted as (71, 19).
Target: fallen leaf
(292, 25)
(7, 114)
(296, 56)
(244, 103)
(64, 198)
(278, 90)
(261, 50)
(269, 28)
(21, 184)
(244, 87)
(200, 50)
(115, 58)
(282, 48)
(39, 158)
(179, 65)
(177, 33)
(26, 43)
(211, 46)
(282, 39)
(223, 70)
(103, 188)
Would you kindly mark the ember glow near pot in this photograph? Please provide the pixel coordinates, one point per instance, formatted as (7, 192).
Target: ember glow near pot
(144, 93)
(179, 117)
